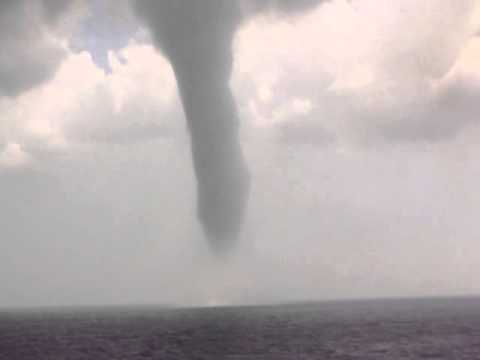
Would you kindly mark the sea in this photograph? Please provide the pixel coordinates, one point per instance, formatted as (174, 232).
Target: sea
(428, 328)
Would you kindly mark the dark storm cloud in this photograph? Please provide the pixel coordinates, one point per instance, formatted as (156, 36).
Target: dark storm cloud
(28, 57)
(197, 36)
(279, 7)
(53, 9)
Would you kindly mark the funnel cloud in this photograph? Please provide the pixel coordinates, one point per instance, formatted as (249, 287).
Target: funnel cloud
(196, 36)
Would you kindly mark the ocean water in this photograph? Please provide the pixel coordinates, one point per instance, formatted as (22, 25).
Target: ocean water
(378, 329)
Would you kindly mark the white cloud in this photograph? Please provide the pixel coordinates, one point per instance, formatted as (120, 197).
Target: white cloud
(82, 103)
(13, 156)
(468, 61)
(365, 76)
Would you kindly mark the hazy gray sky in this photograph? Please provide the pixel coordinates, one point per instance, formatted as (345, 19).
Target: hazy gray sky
(358, 120)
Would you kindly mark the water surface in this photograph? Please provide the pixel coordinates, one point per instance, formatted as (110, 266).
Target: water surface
(376, 329)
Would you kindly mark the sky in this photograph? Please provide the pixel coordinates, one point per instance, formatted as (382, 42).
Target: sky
(358, 122)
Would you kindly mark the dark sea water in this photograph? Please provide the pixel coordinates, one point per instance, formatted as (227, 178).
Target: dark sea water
(379, 329)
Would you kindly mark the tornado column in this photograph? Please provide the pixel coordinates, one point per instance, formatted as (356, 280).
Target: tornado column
(196, 36)
(221, 172)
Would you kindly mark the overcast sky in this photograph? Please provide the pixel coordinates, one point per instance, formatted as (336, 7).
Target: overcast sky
(359, 123)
